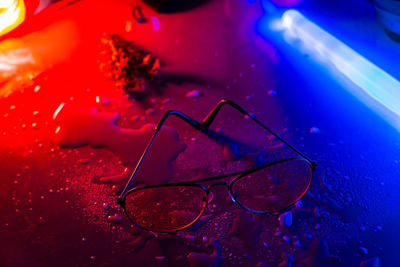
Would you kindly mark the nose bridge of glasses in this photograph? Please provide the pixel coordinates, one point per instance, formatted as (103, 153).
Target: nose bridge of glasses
(223, 184)
(218, 184)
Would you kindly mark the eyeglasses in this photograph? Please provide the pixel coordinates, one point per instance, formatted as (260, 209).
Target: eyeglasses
(268, 188)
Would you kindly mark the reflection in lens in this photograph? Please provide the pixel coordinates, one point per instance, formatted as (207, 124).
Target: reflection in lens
(166, 208)
(273, 188)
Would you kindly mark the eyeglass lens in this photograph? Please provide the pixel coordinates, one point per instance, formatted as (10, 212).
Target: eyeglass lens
(166, 208)
(273, 188)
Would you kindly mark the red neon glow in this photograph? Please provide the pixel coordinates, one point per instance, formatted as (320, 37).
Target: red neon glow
(52, 58)
(24, 58)
(12, 14)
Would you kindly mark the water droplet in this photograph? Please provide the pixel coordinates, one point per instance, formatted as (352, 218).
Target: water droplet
(114, 219)
(309, 236)
(316, 212)
(160, 258)
(166, 101)
(101, 100)
(193, 94)
(84, 161)
(128, 26)
(314, 130)
(297, 243)
(286, 219)
(277, 234)
(151, 111)
(363, 250)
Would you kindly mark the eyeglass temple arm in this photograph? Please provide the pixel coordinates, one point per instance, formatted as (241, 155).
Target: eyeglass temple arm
(206, 123)
(180, 115)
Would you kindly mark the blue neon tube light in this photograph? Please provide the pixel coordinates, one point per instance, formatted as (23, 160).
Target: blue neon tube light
(374, 82)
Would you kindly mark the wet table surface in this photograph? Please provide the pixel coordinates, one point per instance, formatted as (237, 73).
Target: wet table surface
(58, 190)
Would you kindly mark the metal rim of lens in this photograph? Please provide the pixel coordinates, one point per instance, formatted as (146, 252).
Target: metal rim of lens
(165, 185)
(309, 165)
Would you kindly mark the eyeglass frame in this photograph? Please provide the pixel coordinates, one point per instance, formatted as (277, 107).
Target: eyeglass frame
(204, 126)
